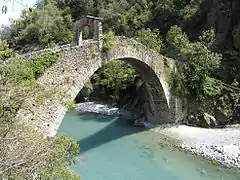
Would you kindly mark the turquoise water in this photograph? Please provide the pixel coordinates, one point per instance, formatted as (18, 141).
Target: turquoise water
(111, 149)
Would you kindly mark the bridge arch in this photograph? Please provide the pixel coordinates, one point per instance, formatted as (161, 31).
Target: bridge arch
(157, 96)
(78, 63)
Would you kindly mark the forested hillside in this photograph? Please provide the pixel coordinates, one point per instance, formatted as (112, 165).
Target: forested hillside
(202, 35)
(50, 23)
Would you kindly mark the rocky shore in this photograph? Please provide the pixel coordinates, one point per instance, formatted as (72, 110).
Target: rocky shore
(97, 108)
(221, 145)
(101, 108)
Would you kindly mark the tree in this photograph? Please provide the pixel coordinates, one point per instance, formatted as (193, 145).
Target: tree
(167, 13)
(198, 63)
(45, 26)
(118, 75)
(150, 38)
(5, 52)
(48, 26)
(176, 40)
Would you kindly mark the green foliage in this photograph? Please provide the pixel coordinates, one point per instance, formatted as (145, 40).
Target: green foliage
(59, 171)
(94, 52)
(132, 17)
(167, 13)
(18, 70)
(199, 64)
(212, 87)
(70, 104)
(45, 26)
(123, 17)
(166, 62)
(14, 70)
(109, 41)
(178, 84)
(50, 24)
(39, 157)
(41, 63)
(5, 33)
(176, 40)
(231, 66)
(5, 52)
(208, 38)
(150, 38)
(191, 9)
(118, 75)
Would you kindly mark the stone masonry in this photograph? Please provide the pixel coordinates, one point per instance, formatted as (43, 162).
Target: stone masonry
(78, 63)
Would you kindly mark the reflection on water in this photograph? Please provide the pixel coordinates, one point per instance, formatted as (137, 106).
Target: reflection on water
(111, 149)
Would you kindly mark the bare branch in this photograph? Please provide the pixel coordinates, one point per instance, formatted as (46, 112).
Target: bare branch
(10, 167)
(7, 139)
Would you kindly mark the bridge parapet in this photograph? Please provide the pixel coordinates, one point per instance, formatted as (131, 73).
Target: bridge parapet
(123, 41)
(57, 49)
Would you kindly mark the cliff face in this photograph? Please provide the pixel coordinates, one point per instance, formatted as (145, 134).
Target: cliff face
(224, 16)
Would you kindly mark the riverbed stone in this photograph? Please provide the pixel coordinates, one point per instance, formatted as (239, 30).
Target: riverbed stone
(206, 120)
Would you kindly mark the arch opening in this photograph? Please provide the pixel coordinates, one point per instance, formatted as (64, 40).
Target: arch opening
(147, 92)
(155, 95)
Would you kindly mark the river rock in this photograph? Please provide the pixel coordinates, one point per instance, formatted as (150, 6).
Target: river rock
(221, 117)
(201, 120)
(206, 120)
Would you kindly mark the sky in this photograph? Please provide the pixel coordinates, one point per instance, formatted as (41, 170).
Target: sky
(15, 8)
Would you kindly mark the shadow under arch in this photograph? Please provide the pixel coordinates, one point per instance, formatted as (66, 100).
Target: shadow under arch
(113, 131)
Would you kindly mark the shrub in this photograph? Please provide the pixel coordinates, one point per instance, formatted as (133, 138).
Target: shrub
(40, 63)
(109, 41)
(150, 38)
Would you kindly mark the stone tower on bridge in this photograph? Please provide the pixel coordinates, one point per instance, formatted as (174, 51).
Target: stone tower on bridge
(95, 29)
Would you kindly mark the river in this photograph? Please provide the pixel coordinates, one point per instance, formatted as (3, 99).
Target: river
(112, 149)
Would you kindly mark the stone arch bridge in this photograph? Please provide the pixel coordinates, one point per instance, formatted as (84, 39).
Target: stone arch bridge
(79, 61)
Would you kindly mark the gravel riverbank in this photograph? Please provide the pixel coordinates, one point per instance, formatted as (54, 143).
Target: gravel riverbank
(222, 145)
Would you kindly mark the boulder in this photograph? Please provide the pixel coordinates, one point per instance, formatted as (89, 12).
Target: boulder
(201, 120)
(221, 117)
(207, 120)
